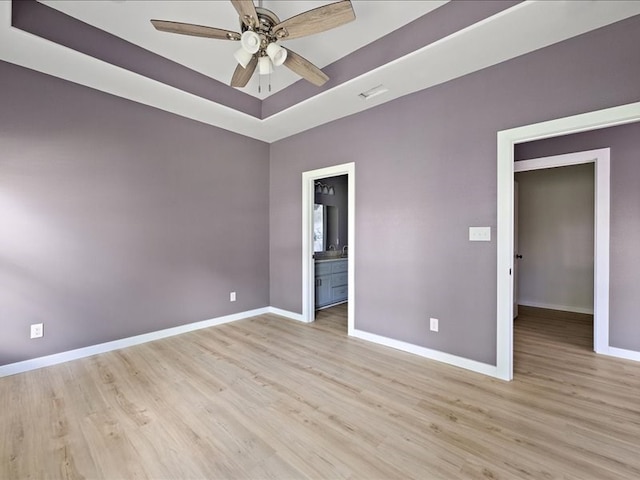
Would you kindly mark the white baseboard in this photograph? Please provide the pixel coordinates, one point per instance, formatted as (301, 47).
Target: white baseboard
(479, 367)
(622, 353)
(562, 308)
(286, 314)
(443, 357)
(35, 363)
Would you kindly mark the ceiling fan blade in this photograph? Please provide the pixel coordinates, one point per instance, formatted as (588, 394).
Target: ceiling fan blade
(305, 68)
(195, 30)
(247, 11)
(316, 20)
(241, 75)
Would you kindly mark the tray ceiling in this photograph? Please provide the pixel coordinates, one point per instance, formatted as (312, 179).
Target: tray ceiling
(406, 46)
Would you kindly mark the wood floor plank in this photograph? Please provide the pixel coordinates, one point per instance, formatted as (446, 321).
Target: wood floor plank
(269, 398)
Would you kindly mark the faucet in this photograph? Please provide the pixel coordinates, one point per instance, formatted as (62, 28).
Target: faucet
(331, 247)
(344, 250)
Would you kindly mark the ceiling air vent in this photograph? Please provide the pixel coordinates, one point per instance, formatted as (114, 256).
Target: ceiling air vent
(373, 92)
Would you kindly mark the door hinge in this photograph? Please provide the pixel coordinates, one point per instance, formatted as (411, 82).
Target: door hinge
(509, 271)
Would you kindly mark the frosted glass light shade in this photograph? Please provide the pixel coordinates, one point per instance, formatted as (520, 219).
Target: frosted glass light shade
(243, 57)
(264, 66)
(277, 54)
(250, 41)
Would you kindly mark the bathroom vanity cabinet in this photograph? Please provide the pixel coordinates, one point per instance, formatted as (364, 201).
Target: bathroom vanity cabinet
(331, 282)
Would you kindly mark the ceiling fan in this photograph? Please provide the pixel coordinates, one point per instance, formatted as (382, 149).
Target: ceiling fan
(262, 30)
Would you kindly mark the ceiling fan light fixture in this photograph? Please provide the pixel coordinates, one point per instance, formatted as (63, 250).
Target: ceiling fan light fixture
(264, 66)
(276, 53)
(243, 57)
(250, 41)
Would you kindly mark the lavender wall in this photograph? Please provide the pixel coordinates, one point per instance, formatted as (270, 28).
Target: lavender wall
(118, 219)
(435, 154)
(624, 142)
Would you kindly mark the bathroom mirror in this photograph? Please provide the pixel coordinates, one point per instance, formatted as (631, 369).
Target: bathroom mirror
(325, 227)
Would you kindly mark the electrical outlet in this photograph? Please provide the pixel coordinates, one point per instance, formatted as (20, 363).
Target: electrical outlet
(232, 297)
(37, 330)
(433, 324)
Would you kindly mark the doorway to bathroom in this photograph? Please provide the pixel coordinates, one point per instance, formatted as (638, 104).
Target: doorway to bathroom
(328, 231)
(330, 242)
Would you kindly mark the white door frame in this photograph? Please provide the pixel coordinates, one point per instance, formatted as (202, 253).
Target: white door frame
(507, 139)
(308, 199)
(601, 159)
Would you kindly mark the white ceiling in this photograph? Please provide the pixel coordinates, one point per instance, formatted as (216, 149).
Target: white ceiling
(525, 27)
(129, 20)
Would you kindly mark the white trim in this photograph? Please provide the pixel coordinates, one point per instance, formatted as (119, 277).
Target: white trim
(436, 355)
(601, 252)
(286, 314)
(308, 179)
(560, 308)
(56, 358)
(506, 140)
(565, 160)
(622, 353)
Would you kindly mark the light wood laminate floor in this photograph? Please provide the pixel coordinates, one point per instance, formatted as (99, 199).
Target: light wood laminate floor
(269, 398)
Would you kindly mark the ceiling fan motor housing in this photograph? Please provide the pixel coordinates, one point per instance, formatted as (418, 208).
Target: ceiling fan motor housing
(266, 21)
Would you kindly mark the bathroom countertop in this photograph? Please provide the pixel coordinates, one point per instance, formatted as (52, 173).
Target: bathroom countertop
(322, 260)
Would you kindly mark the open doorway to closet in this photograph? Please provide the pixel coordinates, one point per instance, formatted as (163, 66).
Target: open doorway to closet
(555, 250)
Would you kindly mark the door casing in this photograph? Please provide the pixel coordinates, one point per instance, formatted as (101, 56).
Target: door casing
(308, 191)
(601, 159)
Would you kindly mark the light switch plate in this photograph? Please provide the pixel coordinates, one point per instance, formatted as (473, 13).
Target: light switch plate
(479, 234)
